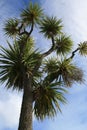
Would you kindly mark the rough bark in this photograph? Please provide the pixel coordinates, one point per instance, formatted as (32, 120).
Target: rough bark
(25, 121)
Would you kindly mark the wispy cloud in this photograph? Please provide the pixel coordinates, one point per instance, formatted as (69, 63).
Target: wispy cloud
(73, 14)
(74, 113)
(10, 104)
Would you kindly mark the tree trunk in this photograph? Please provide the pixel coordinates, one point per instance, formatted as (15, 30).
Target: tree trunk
(25, 121)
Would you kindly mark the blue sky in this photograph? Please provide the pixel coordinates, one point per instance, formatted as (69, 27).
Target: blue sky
(74, 113)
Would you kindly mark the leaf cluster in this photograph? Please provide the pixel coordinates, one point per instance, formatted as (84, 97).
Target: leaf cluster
(11, 27)
(63, 44)
(83, 48)
(51, 27)
(12, 65)
(47, 100)
(64, 71)
(33, 13)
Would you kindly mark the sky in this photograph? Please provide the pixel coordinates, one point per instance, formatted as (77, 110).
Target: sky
(74, 113)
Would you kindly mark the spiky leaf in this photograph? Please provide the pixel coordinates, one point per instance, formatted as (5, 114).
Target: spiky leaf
(47, 101)
(11, 27)
(12, 66)
(63, 45)
(83, 48)
(65, 71)
(50, 26)
(69, 73)
(32, 14)
(50, 65)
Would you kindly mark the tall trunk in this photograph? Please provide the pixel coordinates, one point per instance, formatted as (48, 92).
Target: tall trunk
(25, 121)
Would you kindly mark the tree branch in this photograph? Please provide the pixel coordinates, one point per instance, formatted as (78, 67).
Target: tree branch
(25, 32)
(50, 50)
(20, 27)
(73, 54)
(31, 30)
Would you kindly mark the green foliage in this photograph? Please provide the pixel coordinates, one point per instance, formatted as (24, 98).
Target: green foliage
(32, 14)
(83, 48)
(13, 65)
(31, 60)
(47, 101)
(69, 73)
(10, 69)
(11, 27)
(25, 45)
(50, 65)
(50, 26)
(63, 45)
(64, 71)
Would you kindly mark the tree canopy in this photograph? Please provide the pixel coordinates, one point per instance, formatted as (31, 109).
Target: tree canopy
(45, 76)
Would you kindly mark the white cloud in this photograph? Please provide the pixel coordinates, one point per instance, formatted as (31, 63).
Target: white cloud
(9, 109)
(73, 14)
(74, 113)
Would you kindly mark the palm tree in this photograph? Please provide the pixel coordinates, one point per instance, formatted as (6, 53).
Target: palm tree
(42, 79)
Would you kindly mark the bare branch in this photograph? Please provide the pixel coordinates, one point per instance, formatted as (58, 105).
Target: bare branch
(26, 32)
(20, 27)
(31, 30)
(50, 50)
(73, 54)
